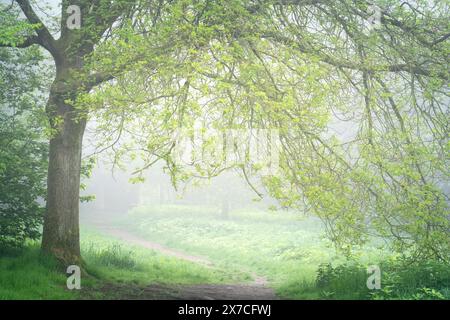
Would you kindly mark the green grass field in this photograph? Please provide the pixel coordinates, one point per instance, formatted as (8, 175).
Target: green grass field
(25, 274)
(287, 249)
(284, 248)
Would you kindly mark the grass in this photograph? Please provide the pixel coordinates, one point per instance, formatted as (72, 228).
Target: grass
(109, 258)
(288, 250)
(281, 246)
(26, 274)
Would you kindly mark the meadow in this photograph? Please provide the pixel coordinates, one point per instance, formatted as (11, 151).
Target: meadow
(287, 250)
(114, 270)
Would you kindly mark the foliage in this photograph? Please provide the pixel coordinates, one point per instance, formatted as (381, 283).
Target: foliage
(23, 151)
(419, 281)
(306, 70)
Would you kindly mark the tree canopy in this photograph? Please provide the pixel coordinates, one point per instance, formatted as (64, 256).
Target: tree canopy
(361, 106)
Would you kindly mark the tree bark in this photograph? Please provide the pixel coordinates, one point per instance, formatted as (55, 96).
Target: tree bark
(61, 222)
(61, 230)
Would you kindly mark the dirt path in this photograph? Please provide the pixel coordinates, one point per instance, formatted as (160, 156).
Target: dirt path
(257, 290)
(132, 239)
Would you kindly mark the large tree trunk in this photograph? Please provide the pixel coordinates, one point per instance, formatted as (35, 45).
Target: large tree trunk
(61, 230)
(61, 222)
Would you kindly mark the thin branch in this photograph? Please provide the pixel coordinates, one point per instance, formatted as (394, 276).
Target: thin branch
(31, 40)
(346, 64)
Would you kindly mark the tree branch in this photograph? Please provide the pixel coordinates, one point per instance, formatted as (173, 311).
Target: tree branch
(44, 38)
(31, 40)
(346, 64)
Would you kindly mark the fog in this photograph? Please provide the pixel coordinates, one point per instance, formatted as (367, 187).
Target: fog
(186, 113)
(115, 194)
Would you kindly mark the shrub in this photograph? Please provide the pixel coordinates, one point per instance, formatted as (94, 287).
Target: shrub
(419, 281)
(23, 151)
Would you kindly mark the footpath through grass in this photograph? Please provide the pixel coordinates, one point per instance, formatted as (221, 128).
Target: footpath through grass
(289, 251)
(26, 274)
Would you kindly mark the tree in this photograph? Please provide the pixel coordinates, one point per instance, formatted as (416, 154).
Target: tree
(23, 149)
(309, 68)
(286, 64)
(61, 229)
